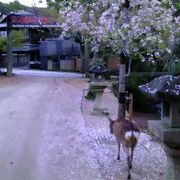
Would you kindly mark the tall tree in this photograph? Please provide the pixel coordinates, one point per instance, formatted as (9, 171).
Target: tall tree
(126, 26)
(60, 4)
(16, 5)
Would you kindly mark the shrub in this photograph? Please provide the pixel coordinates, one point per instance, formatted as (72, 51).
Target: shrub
(17, 40)
(141, 103)
(3, 43)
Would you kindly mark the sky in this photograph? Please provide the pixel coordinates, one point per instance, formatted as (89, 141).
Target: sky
(28, 2)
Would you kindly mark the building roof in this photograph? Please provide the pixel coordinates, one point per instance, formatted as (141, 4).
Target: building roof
(163, 86)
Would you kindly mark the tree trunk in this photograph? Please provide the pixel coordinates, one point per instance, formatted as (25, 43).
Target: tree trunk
(86, 56)
(122, 92)
(122, 99)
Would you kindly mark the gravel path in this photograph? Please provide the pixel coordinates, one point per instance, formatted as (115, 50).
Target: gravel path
(42, 131)
(48, 133)
(149, 158)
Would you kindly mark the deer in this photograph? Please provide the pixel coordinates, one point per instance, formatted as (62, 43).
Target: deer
(127, 134)
(126, 131)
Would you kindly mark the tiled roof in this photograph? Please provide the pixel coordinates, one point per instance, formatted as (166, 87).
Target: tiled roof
(166, 85)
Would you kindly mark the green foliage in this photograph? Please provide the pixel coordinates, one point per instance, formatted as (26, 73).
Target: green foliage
(3, 43)
(58, 4)
(177, 5)
(177, 68)
(15, 6)
(91, 95)
(105, 53)
(4, 8)
(17, 38)
(176, 49)
(133, 81)
(85, 1)
(166, 4)
(141, 103)
(138, 65)
(161, 45)
(12, 6)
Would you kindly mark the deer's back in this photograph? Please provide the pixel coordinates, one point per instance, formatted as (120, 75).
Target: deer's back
(123, 131)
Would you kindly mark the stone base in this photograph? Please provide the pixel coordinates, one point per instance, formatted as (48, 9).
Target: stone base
(169, 136)
(99, 111)
(171, 139)
(173, 164)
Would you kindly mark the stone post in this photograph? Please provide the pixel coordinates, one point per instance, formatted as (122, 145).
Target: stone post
(98, 88)
(98, 100)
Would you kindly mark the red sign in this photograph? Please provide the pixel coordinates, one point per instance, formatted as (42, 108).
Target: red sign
(20, 21)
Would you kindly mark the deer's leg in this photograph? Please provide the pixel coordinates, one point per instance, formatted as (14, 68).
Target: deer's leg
(126, 150)
(119, 146)
(129, 165)
(132, 151)
(129, 176)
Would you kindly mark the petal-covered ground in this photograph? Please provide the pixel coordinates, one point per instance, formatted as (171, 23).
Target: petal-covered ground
(47, 132)
(149, 158)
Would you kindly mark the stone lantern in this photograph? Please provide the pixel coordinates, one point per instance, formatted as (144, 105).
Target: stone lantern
(97, 85)
(167, 89)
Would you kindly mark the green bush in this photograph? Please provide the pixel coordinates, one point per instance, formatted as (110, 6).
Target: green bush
(91, 95)
(17, 40)
(3, 43)
(134, 81)
(141, 103)
(177, 68)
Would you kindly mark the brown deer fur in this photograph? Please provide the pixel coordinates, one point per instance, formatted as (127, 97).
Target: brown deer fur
(127, 134)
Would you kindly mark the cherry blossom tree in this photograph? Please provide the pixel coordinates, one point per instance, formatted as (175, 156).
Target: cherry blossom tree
(144, 27)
